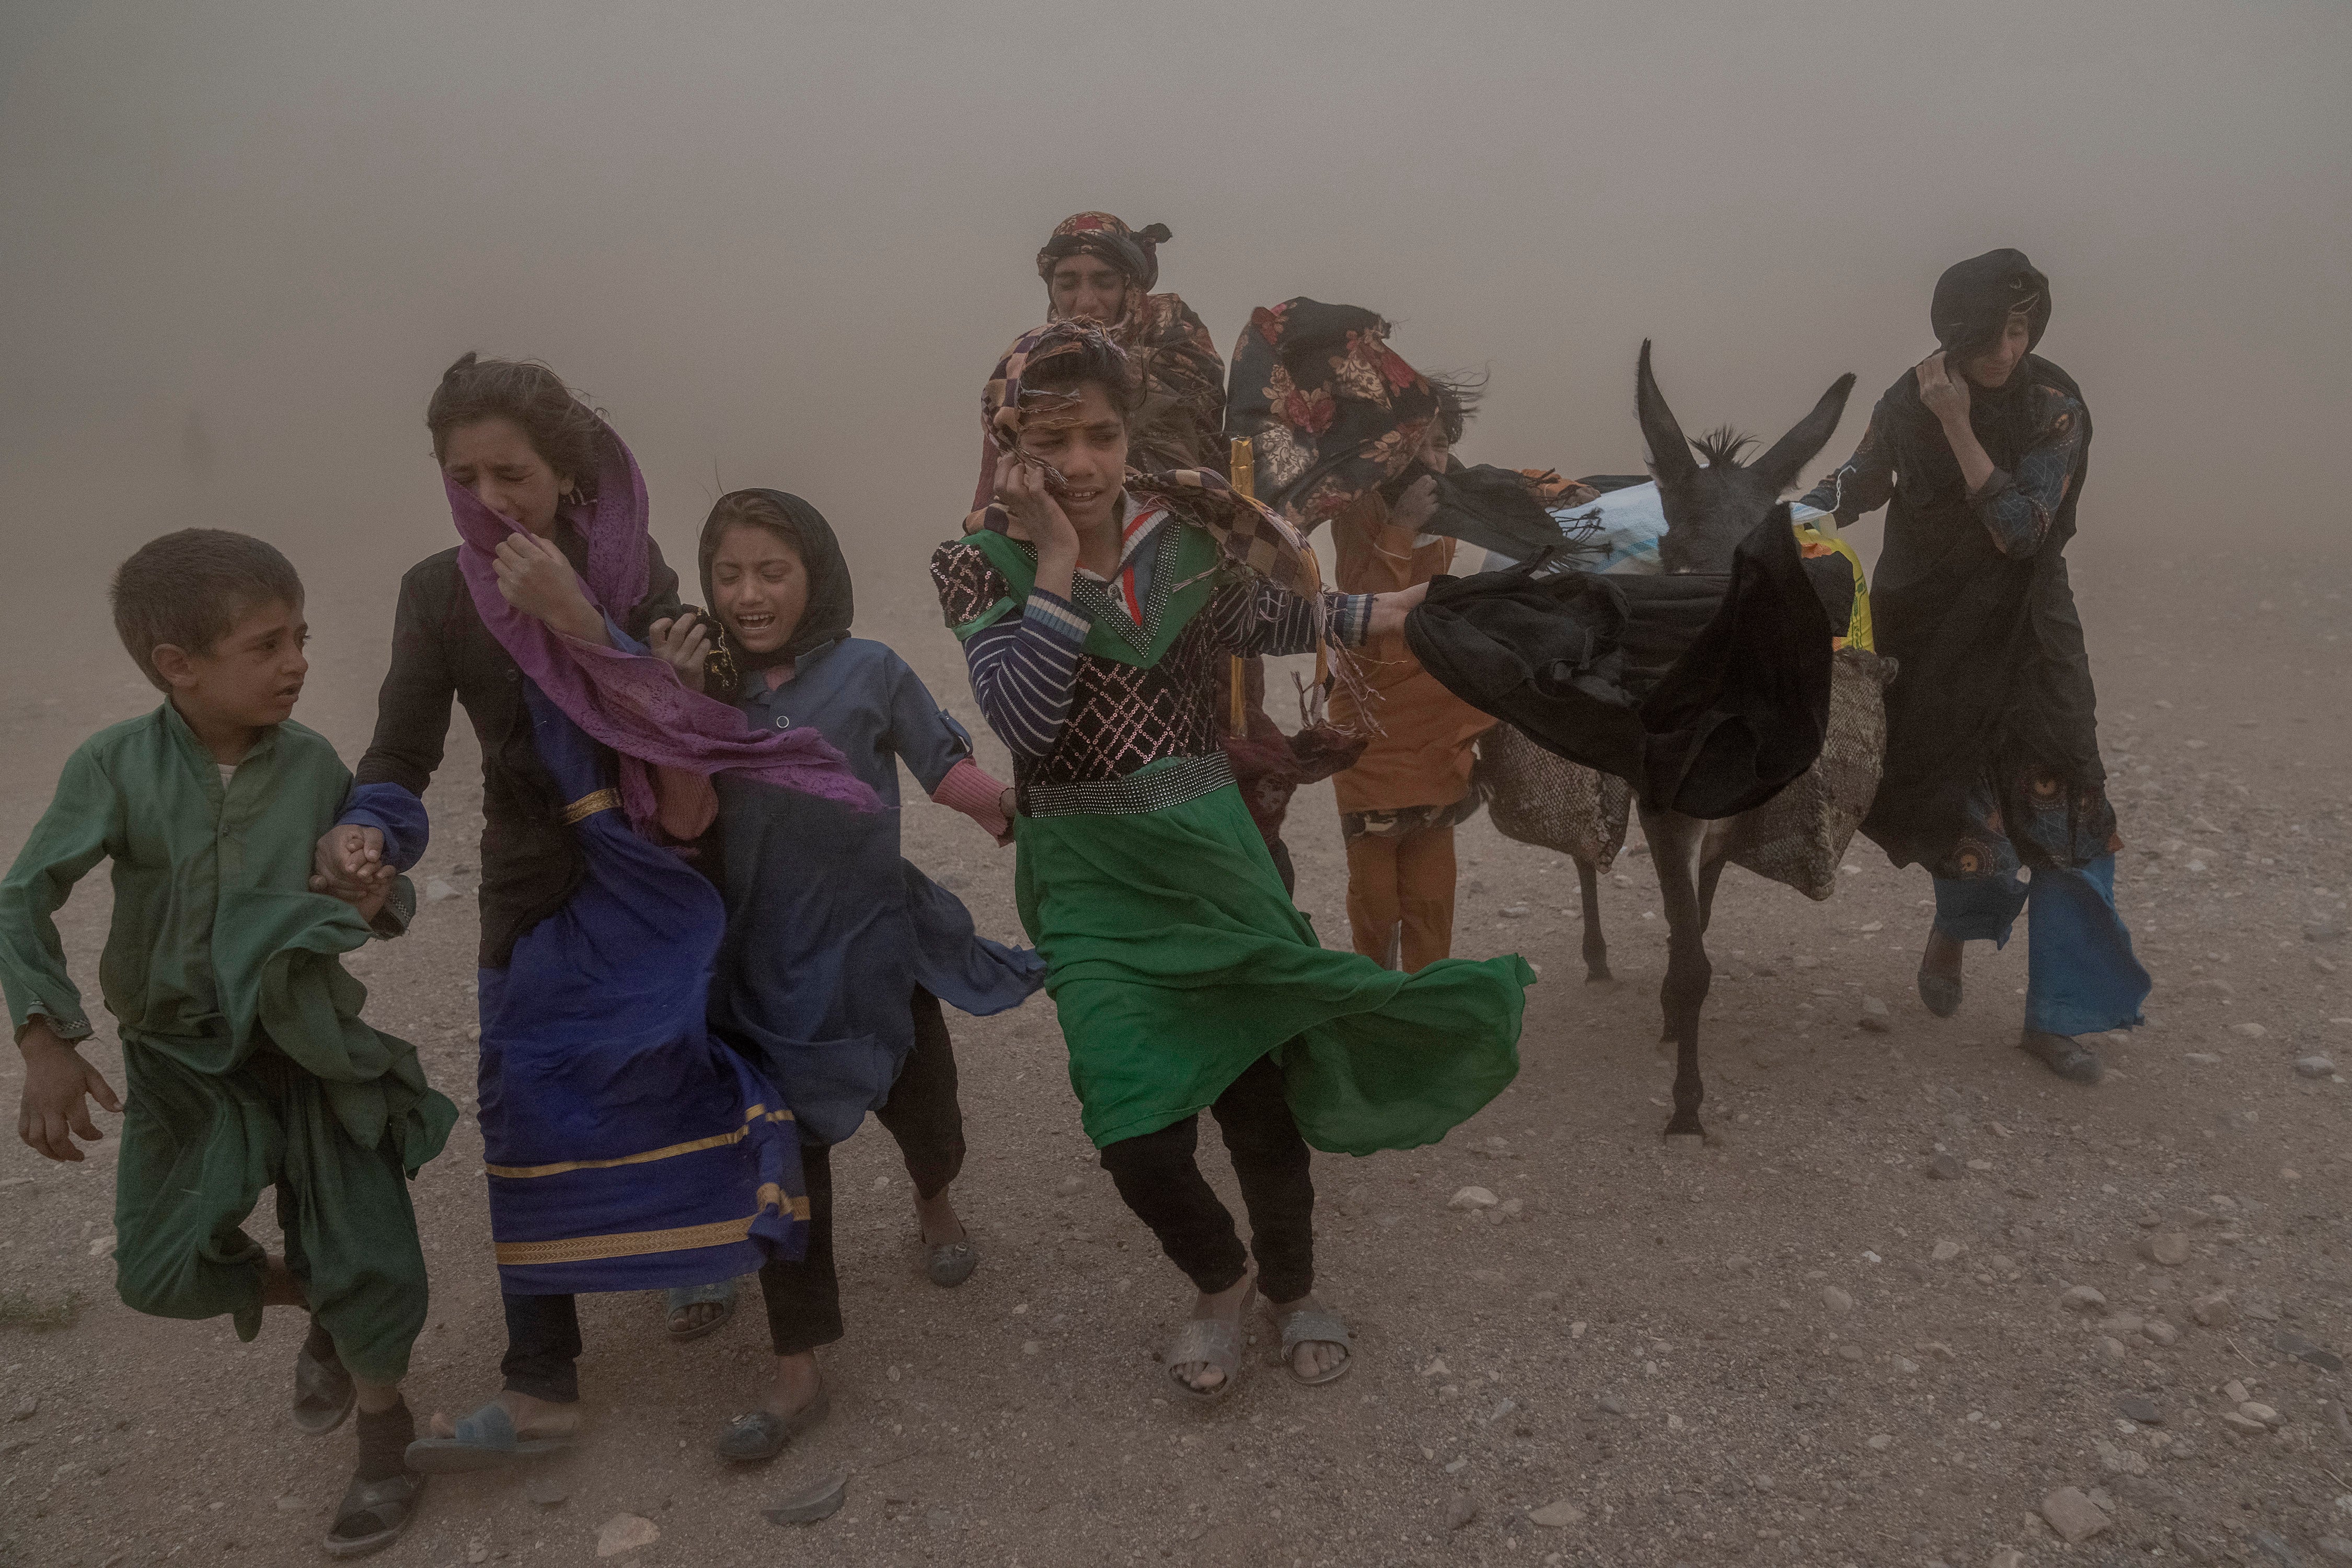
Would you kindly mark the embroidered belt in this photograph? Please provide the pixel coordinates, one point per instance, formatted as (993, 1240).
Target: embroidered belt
(1150, 789)
(693, 1146)
(588, 805)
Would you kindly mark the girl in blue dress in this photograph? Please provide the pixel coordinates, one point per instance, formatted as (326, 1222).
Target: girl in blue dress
(838, 954)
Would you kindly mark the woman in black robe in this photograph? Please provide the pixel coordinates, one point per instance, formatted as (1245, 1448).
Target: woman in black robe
(1993, 780)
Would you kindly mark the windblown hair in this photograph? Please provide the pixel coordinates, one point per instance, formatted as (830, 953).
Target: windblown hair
(1459, 393)
(1094, 361)
(188, 589)
(569, 436)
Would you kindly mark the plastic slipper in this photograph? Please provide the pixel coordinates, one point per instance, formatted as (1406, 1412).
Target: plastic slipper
(323, 1392)
(721, 1294)
(1941, 994)
(1215, 1342)
(2063, 1054)
(372, 1514)
(951, 1263)
(1314, 1325)
(485, 1440)
(762, 1436)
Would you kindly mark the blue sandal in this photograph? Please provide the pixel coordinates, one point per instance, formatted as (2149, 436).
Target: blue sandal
(721, 1295)
(485, 1440)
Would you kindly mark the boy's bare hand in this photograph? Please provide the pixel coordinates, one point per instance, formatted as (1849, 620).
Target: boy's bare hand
(349, 864)
(58, 1086)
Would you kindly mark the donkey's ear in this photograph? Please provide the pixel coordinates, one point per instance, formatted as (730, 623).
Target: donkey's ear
(1780, 466)
(1670, 453)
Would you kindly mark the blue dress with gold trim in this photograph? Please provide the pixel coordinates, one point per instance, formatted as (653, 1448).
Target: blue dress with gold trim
(626, 1149)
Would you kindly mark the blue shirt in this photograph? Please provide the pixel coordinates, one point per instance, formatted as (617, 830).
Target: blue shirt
(829, 929)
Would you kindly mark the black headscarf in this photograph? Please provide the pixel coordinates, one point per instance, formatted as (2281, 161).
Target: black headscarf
(831, 605)
(1974, 299)
(1134, 251)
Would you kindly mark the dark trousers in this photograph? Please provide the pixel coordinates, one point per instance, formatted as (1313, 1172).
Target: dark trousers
(1160, 1181)
(804, 1297)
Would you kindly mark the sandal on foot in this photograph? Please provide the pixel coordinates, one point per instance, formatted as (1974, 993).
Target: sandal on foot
(1939, 993)
(323, 1392)
(2063, 1054)
(762, 1435)
(1314, 1325)
(485, 1440)
(372, 1514)
(720, 1295)
(951, 1263)
(1210, 1341)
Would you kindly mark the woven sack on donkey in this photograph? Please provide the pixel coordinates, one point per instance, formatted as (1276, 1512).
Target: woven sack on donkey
(1799, 837)
(1538, 797)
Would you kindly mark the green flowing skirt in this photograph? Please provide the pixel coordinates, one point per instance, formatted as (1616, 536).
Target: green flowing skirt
(1176, 961)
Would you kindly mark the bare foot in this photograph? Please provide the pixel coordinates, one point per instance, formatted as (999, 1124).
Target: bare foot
(279, 1286)
(938, 1217)
(1940, 974)
(1226, 1305)
(796, 1384)
(531, 1417)
(1313, 1358)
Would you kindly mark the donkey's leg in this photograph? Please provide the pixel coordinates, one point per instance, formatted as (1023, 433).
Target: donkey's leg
(1675, 845)
(1596, 946)
(1710, 872)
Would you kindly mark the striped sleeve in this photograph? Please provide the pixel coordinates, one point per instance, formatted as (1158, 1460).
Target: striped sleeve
(1022, 671)
(1256, 617)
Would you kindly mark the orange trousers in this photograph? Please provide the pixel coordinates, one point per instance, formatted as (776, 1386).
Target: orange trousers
(1401, 881)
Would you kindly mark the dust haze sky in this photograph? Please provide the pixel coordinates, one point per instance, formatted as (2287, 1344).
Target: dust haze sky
(781, 244)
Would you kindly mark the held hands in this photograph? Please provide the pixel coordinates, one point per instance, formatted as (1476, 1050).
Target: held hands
(58, 1086)
(681, 644)
(535, 578)
(1946, 394)
(349, 864)
(1389, 610)
(1036, 515)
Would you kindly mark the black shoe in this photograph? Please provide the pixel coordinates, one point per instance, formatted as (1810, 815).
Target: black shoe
(2063, 1054)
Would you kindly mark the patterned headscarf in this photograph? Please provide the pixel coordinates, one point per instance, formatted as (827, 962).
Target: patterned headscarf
(1251, 536)
(1331, 411)
(1133, 252)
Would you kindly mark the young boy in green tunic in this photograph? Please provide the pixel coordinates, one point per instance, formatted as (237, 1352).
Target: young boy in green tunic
(246, 1061)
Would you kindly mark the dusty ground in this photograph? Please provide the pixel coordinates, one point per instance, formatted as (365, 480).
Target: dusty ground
(1745, 1353)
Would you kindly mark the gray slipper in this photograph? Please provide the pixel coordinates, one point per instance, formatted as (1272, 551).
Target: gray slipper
(1939, 993)
(1316, 1325)
(2063, 1054)
(485, 1440)
(1215, 1342)
(720, 1293)
(761, 1435)
(951, 1263)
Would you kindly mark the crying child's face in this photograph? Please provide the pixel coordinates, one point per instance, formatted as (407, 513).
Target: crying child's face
(757, 587)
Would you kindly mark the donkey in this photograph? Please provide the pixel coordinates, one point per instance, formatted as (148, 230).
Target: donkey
(1709, 508)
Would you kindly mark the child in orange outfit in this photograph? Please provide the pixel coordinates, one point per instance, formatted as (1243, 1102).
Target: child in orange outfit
(1399, 804)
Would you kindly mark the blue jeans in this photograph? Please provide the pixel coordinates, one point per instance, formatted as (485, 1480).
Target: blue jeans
(2081, 976)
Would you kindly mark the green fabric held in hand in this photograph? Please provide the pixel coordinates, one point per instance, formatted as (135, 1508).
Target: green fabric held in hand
(1175, 961)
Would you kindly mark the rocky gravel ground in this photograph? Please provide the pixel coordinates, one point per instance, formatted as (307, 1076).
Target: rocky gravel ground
(1917, 1302)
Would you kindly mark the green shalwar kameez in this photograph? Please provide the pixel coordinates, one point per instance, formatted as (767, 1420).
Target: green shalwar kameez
(246, 1061)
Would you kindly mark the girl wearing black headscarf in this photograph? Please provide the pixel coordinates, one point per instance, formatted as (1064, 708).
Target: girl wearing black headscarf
(1993, 780)
(838, 952)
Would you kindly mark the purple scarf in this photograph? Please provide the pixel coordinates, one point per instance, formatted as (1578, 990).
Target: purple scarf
(633, 703)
